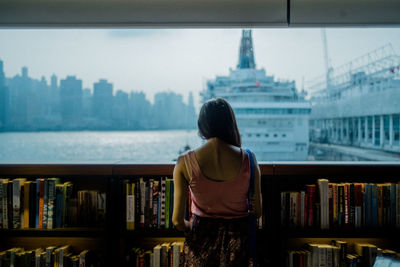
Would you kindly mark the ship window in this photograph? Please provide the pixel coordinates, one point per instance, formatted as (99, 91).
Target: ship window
(266, 135)
(283, 135)
(275, 135)
(396, 128)
(258, 135)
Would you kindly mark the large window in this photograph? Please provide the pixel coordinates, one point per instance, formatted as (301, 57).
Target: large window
(134, 94)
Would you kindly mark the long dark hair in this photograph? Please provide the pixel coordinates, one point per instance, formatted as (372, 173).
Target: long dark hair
(217, 119)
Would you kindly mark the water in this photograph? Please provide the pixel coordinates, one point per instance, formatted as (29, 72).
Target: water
(133, 146)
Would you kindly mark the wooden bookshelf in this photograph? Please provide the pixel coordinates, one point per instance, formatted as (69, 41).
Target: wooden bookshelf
(114, 240)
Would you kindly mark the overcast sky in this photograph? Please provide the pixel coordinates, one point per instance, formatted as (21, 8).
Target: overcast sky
(180, 60)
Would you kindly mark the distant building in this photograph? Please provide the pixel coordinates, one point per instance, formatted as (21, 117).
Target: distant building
(3, 98)
(140, 112)
(20, 88)
(120, 112)
(71, 101)
(102, 102)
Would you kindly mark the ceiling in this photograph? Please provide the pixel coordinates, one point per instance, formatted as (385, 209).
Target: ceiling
(198, 13)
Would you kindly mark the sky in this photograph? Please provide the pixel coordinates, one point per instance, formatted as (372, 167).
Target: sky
(180, 60)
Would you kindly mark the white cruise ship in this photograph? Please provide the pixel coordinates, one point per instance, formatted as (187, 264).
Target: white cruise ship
(272, 116)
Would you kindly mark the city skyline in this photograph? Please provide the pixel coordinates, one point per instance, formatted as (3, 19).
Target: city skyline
(153, 60)
(28, 104)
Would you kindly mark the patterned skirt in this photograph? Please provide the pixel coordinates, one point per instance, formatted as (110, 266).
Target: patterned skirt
(216, 242)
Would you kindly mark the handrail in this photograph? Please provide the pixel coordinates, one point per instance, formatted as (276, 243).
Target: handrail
(267, 169)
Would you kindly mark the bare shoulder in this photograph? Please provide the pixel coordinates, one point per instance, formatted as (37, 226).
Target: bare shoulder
(180, 166)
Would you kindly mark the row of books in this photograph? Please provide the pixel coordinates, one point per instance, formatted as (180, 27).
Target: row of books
(328, 205)
(46, 203)
(149, 203)
(336, 255)
(162, 255)
(51, 256)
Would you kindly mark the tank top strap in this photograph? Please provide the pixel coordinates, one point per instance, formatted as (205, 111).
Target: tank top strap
(192, 167)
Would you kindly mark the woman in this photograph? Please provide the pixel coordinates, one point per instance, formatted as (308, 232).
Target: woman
(217, 175)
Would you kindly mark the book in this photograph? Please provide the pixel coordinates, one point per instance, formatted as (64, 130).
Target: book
(27, 197)
(17, 184)
(167, 202)
(162, 205)
(157, 256)
(130, 206)
(324, 202)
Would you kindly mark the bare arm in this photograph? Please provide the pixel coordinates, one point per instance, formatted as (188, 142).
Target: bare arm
(180, 195)
(257, 188)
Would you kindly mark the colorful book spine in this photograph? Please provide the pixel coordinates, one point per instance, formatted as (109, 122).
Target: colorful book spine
(142, 202)
(45, 202)
(130, 206)
(163, 195)
(167, 203)
(27, 187)
(51, 203)
(40, 206)
(155, 209)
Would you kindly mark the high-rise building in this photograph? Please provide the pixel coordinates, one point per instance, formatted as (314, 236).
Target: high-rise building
(3, 98)
(102, 102)
(71, 101)
(120, 111)
(140, 112)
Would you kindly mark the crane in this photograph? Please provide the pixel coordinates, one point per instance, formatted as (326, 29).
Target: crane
(328, 67)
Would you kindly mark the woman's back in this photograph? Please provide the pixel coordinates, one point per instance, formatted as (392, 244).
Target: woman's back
(218, 180)
(219, 161)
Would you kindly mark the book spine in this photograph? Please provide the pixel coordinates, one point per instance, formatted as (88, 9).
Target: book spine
(287, 208)
(167, 203)
(379, 205)
(41, 198)
(334, 205)
(155, 205)
(293, 212)
(283, 209)
(171, 202)
(368, 203)
(50, 205)
(329, 257)
(398, 205)
(26, 204)
(22, 204)
(358, 206)
(302, 199)
(1, 205)
(59, 189)
(149, 202)
(311, 196)
(130, 206)
(392, 205)
(346, 205)
(163, 195)
(386, 205)
(330, 204)
(340, 205)
(352, 206)
(3, 184)
(374, 206)
(142, 202)
(45, 202)
(137, 204)
(16, 203)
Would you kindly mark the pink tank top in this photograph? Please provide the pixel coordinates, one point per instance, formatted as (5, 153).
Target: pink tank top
(224, 199)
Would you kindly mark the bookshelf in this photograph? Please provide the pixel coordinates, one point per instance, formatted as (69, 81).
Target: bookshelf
(113, 240)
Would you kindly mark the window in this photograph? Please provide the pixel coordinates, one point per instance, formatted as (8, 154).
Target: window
(135, 94)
